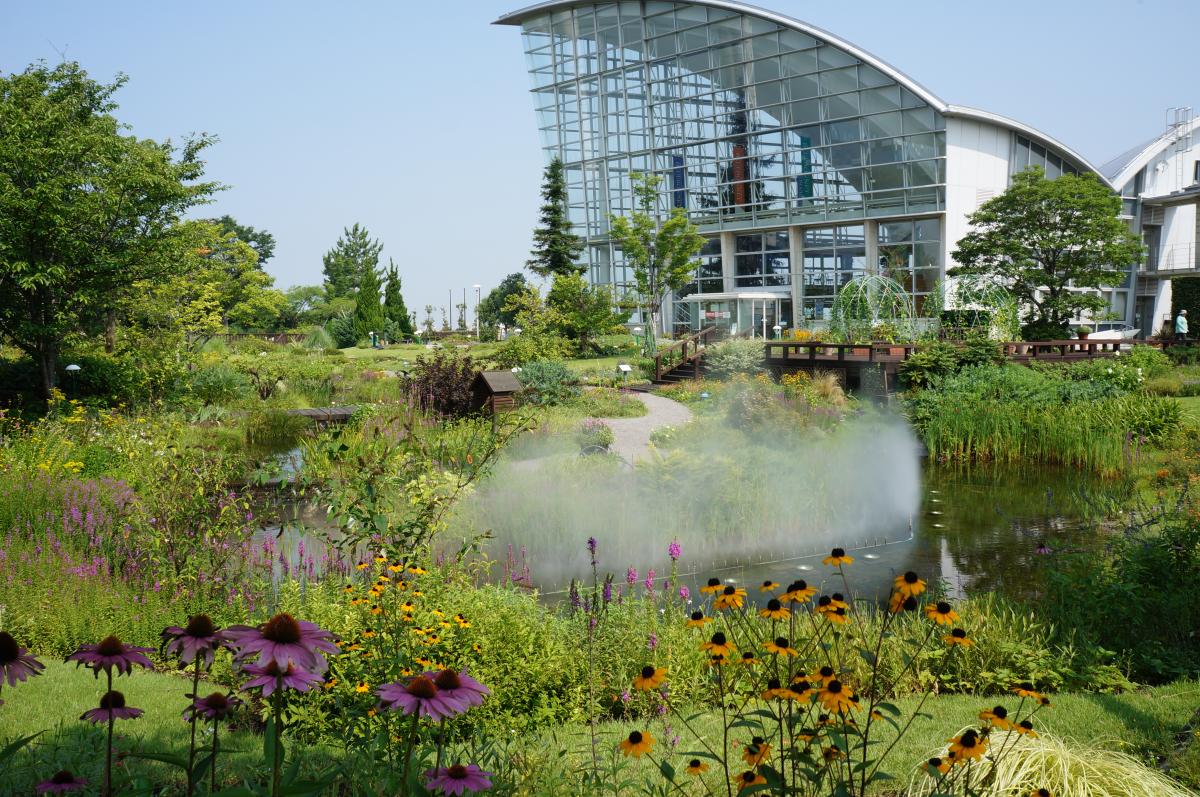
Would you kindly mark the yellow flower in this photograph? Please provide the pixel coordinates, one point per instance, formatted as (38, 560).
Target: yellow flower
(637, 744)
(380, 559)
(801, 688)
(958, 637)
(774, 611)
(718, 645)
(417, 570)
(332, 682)
(1025, 728)
(462, 621)
(371, 712)
(837, 698)
(712, 587)
(832, 753)
(775, 691)
(909, 585)
(362, 687)
(1026, 690)
(748, 659)
(697, 620)
(968, 746)
(369, 633)
(376, 610)
(1040, 793)
(747, 779)
(408, 607)
(997, 717)
(837, 557)
(798, 592)
(696, 767)
(941, 613)
(938, 765)
(823, 675)
(730, 598)
(649, 678)
(396, 567)
(780, 647)
(756, 752)
(361, 566)
(768, 586)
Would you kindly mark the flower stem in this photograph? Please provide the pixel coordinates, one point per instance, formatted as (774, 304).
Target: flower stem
(412, 744)
(437, 764)
(191, 780)
(213, 784)
(107, 788)
(277, 762)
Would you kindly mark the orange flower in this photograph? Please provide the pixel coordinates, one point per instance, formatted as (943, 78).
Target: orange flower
(837, 557)
(756, 752)
(730, 598)
(909, 585)
(941, 613)
(650, 678)
(637, 744)
(748, 779)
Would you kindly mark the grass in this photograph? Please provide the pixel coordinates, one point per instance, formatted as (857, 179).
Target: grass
(1191, 407)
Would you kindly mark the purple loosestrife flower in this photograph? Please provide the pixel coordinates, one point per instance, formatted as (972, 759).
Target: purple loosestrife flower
(631, 576)
(591, 546)
(284, 639)
(674, 550)
(685, 594)
(649, 582)
(266, 678)
(112, 707)
(15, 662)
(199, 638)
(420, 696)
(652, 641)
(110, 653)
(214, 707)
(458, 779)
(606, 592)
(63, 781)
(459, 687)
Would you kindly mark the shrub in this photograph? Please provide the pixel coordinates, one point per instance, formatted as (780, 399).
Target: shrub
(441, 383)
(926, 365)
(1184, 355)
(1041, 330)
(1152, 361)
(1165, 386)
(594, 433)
(525, 348)
(547, 382)
(319, 338)
(219, 384)
(341, 329)
(731, 357)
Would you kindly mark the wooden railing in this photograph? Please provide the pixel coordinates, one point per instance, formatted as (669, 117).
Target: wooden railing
(883, 352)
(683, 351)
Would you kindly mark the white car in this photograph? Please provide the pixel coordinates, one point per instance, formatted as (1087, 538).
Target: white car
(1114, 331)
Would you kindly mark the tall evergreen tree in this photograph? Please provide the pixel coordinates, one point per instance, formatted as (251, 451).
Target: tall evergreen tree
(348, 262)
(555, 247)
(393, 302)
(368, 312)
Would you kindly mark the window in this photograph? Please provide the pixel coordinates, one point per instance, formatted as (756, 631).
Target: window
(763, 259)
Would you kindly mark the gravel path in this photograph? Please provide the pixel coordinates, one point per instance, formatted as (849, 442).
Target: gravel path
(633, 434)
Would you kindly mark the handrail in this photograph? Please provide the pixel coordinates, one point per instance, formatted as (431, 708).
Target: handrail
(899, 352)
(664, 360)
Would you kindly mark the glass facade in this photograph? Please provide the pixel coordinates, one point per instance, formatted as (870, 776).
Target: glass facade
(758, 130)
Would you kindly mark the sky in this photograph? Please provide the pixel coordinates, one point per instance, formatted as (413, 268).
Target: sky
(414, 119)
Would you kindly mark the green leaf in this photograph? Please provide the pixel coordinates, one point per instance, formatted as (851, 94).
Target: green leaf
(12, 747)
(700, 754)
(163, 758)
(269, 744)
(889, 708)
(667, 771)
(868, 656)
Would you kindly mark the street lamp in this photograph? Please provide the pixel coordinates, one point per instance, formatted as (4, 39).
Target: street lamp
(637, 339)
(777, 329)
(72, 370)
(477, 287)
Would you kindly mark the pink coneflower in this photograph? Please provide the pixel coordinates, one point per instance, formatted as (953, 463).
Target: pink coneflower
(420, 696)
(62, 781)
(110, 653)
(267, 678)
(112, 707)
(459, 687)
(15, 662)
(458, 779)
(214, 707)
(284, 639)
(199, 638)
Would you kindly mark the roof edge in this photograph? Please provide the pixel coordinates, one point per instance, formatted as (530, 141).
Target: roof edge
(1143, 158)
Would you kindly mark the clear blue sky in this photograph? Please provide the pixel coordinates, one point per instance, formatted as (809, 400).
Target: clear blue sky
(414, 119)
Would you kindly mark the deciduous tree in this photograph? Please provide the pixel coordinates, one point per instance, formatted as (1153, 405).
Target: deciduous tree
(492, 310)
(581, 312)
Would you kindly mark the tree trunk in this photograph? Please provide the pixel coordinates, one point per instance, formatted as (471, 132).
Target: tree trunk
(110, 330)
(47, 357)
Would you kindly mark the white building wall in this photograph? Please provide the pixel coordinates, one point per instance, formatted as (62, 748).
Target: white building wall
(977, 169)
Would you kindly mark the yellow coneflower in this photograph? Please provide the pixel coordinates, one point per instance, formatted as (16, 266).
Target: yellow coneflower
(697, 620)
(361, 566)
(712, 587)
(877, 715)
(1040, 793)
(776, 691)
(718, 645)
(1025, 728)
(348, 589)
(445, 624)
(806, 735)
(748, 659)
(649, 678)
(756, 752)
(437, 612)
(958, 637)
(396, 567)
(997, 717)
(747, 779)
(637, 744)
(832, 753)
(375, 609)
(380, 559)
(780, 647)
(371, 712)
(416, 593)
(1026, 690)
(405, 672)
(823, 675)
(358, 601)
(837, 616)
(369, 633)
(909, 585)
(352, 648)
(462, 621)
(408, 607)
(362, 687)
(838, 601)
(384, 578)
(938, 765)
(1044, 701)
(836, 698)
(900, 603)
(968, 745)
(825, 720)
(696, 767)
(768, 586)
(801, 688)
(718, 660)
(941, 613)
(332, 682)
(774, 610)
(476, 648)
(798, 592)
(837, 557)
(417, 570)
(730, 598)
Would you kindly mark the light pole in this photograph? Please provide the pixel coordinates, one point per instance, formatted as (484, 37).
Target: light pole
(72, 370)
(477, 286)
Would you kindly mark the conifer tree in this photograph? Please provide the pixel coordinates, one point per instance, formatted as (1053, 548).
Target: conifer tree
(368, 312)
(349, 260)
(555, 247)
(393, 302)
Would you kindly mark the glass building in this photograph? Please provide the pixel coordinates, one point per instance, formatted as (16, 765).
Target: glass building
(804, 160)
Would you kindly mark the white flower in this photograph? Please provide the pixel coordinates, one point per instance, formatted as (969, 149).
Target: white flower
(1110, 370)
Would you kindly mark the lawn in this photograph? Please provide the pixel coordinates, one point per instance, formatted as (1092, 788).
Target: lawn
(1142, 723)
(1191, 407)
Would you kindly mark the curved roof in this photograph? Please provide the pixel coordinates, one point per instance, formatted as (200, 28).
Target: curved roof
(519, 16)
(1121, 169)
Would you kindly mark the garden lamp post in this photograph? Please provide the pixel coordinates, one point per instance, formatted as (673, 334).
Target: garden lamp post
(477, 287)
(637, 339)
(72, 370)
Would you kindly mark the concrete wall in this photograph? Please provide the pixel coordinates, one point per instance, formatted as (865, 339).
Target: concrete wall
(977, 169)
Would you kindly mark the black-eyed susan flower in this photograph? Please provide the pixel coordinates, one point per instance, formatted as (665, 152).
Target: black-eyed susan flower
(375, 609)
(1044, 701)
(696, 767)
(825, 720)
(718, 645)
(798, 592)
(774, 610)
(361, 566)
(958, 637)
(878, 715)
(837, 616)
(417, 570)
(368, 633)
(380, 559)
(909, 585)
(712, 587)
(776, 691)
(748, 659)
(747, 779)
(462, 621)
(832, 753)
(768, 586)
(1040, 793)
(823, 675)
(396, 567)
(837, 698)
(838, 601)
(1025, 728)
(801, 688)
(837, 557)
(937, 766)
(649, 678)
(637, 744)
(967, 746)
(718, 660)
(437, 612)
(1026, 691)
(730, 598)
(780, 647)
(755, 753)
(941, 613)
(349, 588)
(805, 735)
(408, 607)
(476, 648)
(698, 620)
(332, 682)
(997, 717)
(900, 603)
(362, 687)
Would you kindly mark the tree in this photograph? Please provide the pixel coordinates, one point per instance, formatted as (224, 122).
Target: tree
(349, 260)
(304, 306)
(86, 211)
(555, 247)
(368, 311)
(1047, 242)
(580, 311)
(393, 302)
(261, 241)
(661, 254)
(492, 311)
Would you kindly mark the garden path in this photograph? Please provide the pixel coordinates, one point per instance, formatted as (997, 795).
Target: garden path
(632, 435)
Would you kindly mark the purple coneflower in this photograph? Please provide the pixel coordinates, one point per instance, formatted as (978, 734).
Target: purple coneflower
(267, 678)
(199, 638)
(112, 707)
(420, 696)
(284, 639)
(15, 662)
(62, 781)
(458, 779)
(214, 707)
(459, 687)
(110, 653)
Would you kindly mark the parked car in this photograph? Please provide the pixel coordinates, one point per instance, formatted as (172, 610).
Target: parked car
(1114, 331)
